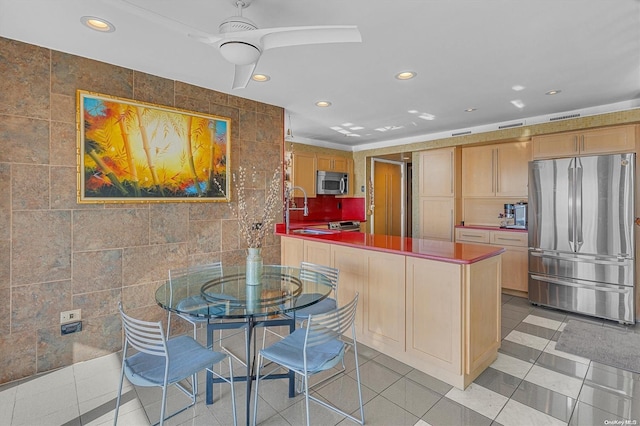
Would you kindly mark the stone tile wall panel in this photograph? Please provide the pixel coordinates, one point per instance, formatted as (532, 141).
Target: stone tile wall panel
(56, 254)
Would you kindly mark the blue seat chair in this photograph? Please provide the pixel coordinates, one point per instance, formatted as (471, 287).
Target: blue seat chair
(317, 347)
(156, 361)
(199, 309)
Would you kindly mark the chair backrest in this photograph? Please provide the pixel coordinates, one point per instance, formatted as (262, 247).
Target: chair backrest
(331, 325)
(145, 336)
(198, 274)
(328, 271)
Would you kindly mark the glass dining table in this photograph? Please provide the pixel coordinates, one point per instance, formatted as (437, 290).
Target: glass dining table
(229, 298)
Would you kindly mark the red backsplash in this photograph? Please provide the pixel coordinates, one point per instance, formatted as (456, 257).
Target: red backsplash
(328, 208)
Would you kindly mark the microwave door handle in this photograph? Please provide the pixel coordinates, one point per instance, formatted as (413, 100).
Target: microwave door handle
(342, 186)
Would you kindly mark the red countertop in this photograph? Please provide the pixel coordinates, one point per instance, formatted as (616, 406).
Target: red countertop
(442, 251)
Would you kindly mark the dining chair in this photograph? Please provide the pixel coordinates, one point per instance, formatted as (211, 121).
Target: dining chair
(200, 310)
(158, 362)
(308, 271)
(317, 347)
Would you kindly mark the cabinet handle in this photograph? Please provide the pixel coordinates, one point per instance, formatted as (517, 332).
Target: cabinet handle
(471, 236)
(582, 143)
(452, 172)
(507, 239)
(497, 171)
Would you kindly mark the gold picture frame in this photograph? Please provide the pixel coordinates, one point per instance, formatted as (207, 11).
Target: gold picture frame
(132, 151)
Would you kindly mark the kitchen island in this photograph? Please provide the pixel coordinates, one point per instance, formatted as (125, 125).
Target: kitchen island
(433, 305)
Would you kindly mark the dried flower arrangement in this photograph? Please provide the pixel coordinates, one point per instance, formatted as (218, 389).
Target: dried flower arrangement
(255, 220)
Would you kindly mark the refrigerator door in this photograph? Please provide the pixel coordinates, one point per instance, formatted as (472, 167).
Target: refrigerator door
(551, 212)
(605, 205)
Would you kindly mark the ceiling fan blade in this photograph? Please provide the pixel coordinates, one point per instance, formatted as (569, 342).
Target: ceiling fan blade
(294, 36)
(210, 39)
(243, 75)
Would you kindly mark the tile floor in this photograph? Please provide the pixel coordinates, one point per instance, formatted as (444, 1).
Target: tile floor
(530, 383)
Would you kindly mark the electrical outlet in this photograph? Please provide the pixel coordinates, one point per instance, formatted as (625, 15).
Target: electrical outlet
(70, 316)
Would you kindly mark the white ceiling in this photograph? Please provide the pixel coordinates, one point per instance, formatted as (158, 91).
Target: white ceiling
(467, 54)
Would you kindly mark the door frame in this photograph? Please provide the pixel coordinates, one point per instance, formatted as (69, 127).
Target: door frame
(402, 192)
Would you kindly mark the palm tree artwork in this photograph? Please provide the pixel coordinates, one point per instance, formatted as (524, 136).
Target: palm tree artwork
(133, 151)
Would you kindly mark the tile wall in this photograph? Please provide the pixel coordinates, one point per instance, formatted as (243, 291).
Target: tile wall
(57, 255)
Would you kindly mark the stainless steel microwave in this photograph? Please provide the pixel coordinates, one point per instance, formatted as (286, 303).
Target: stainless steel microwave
(335, 183)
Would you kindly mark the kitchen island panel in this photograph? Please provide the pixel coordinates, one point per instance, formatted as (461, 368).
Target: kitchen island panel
(434, 317)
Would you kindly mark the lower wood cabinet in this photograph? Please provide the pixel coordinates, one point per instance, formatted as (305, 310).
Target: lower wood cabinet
(515, 262)
(441, 318)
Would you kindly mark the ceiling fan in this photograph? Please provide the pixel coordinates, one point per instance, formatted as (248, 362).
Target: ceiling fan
(241, 42)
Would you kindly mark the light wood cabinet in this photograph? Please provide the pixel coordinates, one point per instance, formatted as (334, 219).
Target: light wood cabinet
(608, 140)
(496, 170)
(439, 187)
(384, 301)
(437, 216)
(291, 251)
(317, 252)
(334, 163)
(304, 173)
(438, 317)
(515, 266)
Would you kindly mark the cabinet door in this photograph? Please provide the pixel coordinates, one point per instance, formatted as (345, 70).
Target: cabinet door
(478, 171)
(434, 313)
(512, 177)
(384, 301)
(437, 173)
(304, 173)
(316, 252)
(341, 164)
(609, 140)
(515, 264)
(291, 251)
(436, 218)
(554, 146)
(325, 162)
(353, 268)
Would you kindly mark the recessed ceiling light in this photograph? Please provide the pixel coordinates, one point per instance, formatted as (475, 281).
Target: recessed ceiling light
(98, 24)
(517, 87)
(260, 78)
(413, 111)
(323, 104)
(553, 92)
(406, 75)
(426, 116)
(518, 103)
(470, 109)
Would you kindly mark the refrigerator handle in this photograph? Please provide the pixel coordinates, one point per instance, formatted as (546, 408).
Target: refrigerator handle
(579, 172)
(570, 210)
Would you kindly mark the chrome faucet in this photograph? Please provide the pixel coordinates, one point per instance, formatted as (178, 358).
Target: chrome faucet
(288, 196)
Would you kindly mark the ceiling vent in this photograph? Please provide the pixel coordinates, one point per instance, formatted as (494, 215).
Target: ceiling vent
(468, 132)
(564, 117)
(508, 126)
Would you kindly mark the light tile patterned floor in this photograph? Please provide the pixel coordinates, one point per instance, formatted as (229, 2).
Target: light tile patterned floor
(530, 383)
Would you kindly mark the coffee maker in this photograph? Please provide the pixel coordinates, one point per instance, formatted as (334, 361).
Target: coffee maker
(507, 216)
(519, 216)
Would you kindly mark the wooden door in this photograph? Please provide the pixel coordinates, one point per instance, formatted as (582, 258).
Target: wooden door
(387, 195)
(608, 140)
(436, 218)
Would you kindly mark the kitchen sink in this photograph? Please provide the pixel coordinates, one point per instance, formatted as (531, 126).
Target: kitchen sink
(309, 231)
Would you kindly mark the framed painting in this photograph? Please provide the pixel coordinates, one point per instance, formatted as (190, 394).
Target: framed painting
(130, 151)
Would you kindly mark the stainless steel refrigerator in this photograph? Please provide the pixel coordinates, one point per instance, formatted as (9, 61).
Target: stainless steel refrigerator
(581, 235)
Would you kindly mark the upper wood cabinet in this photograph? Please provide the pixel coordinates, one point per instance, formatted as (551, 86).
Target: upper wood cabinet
(496, 170)
(589, 142)
(334, 163)
(304, 173)
(439, 193)
(438, 172)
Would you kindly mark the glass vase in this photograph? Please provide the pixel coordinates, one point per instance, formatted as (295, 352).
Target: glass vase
(254, 266)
